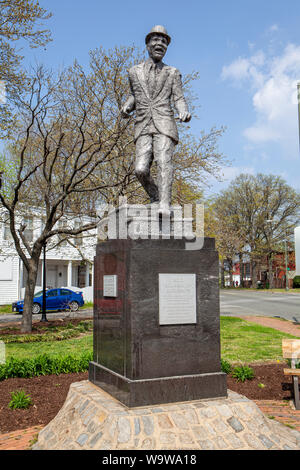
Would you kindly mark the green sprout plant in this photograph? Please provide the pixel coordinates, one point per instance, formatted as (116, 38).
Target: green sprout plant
(19, 400)
(242, 373)
(226, 366)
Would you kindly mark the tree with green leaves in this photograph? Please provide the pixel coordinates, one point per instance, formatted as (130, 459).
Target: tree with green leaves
(261, 211)
(221, 225)
(19, 21)
(63, 149)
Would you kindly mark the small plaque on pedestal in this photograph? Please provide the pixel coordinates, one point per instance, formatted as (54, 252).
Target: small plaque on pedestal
(110, 287)
(177, 299)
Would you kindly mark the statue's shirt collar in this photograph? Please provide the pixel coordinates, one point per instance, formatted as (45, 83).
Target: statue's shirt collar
(149, 63)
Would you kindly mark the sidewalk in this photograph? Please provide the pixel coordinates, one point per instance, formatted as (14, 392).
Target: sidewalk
(15, 319)
(282, 325)
(19, 440)
(281, 411)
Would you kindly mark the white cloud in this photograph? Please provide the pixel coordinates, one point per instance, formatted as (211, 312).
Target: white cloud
(273, 83)
(244, 69)
(237, 70)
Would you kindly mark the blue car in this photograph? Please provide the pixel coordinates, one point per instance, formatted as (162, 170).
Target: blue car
(56, 299)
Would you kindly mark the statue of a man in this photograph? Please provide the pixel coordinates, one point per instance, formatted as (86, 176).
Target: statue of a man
(154, 87)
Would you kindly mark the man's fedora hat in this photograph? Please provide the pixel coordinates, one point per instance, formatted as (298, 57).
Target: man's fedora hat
(158, 30)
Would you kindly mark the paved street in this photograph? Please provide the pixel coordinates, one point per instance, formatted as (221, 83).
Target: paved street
(82, 313)
(232, 302)
(237, 302)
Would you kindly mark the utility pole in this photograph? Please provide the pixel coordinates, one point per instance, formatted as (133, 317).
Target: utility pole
(270, 254)
(298, 96)
(286, 264)
(44, 317)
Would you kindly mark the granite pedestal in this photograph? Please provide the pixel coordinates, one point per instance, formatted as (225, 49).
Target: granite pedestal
(137, 359)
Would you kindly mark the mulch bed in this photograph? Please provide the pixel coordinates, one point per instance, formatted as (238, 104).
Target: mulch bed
(48, 394)
(39, 327)
(277, 386)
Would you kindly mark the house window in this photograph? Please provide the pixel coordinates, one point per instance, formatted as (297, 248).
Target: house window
(246, 270)
(7, 233)
(28, 232)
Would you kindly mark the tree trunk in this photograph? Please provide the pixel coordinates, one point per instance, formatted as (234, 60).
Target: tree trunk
(253, 274)
(241, 270)
(230, 272)
(26, 326)
(222, 275)
(270, 271)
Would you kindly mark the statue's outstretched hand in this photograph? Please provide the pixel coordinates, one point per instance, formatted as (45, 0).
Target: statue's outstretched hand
(185, 117)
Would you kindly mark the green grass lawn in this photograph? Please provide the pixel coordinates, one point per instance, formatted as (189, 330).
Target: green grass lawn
(56, 348)
(90, 305)
(247, 342)
(5, 309)
(241, 341)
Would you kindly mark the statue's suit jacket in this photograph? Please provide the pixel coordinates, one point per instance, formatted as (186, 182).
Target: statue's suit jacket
(158, 107)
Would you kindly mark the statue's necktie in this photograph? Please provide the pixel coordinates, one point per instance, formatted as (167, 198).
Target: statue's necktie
(152, 79)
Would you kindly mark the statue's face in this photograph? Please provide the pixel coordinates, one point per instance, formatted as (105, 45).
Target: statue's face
(157, 47)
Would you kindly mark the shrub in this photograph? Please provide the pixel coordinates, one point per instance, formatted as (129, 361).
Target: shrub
(68, 332)
(226, 366)
(296, 282)
(19, 399)
(45, 365)
(289, 362)
(242, 373)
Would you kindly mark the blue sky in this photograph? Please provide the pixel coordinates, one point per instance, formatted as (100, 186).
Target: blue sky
(247, 54)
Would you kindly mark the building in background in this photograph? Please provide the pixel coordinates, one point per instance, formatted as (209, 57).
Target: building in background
(69, 264)
(241, 272)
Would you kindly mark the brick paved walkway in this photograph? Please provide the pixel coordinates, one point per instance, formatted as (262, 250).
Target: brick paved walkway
(282, 325)
(281, 411)
(19, 440)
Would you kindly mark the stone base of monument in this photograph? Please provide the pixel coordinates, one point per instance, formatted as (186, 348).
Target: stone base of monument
(93, 419)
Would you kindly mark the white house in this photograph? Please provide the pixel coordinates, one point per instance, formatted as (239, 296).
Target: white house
(67, 265)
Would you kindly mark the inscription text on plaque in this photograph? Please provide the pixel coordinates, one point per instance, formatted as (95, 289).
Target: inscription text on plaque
(177, 299)
(110, 288)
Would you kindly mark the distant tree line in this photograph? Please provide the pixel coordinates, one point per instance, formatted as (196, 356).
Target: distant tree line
(253, 217)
